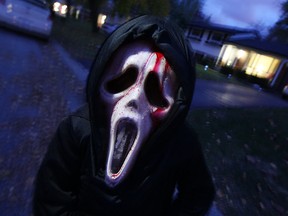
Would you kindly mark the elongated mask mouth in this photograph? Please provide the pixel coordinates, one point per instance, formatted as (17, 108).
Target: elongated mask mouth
(125, 136)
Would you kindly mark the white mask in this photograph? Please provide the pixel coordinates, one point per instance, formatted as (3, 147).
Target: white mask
(138, 90)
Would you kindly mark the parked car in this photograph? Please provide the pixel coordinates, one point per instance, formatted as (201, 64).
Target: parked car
(31, 16)
(60, 8)
(285, 92)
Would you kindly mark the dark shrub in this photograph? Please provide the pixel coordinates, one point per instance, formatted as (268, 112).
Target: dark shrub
(240, 74)
(226, 70)
(260, 81)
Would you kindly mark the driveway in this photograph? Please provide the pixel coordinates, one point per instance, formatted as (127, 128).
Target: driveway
(220, 94)
(38, 86)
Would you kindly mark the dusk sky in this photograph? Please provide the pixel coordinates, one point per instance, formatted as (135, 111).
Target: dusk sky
(243, 13)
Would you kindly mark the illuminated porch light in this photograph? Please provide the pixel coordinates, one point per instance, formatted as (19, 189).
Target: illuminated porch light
(229, 63)
(101, 20)
(260, 68)
(63, 9)
(226, 53)
(56, 6)
(240, 53)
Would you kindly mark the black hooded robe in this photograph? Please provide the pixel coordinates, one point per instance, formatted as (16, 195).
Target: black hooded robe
(169, 177)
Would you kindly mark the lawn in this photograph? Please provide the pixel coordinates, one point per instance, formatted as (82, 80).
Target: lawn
(210, 74)
(247, 153)
(214, 75)
(246, 149)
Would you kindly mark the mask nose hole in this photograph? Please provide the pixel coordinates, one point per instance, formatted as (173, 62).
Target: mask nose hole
(132, 104)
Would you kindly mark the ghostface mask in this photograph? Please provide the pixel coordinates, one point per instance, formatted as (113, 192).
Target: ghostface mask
(138, 89)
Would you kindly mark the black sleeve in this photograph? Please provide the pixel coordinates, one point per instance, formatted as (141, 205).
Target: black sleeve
(195, 186)
(57, 181)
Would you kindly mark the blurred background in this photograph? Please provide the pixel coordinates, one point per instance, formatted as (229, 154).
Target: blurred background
(239, 109)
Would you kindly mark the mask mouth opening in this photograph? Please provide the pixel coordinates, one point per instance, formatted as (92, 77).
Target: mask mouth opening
(125, 136)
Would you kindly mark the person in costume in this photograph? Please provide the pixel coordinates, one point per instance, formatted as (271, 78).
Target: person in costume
(128, 150)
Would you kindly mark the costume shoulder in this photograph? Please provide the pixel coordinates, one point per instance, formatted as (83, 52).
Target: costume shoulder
(82, 112)
(188, 138)
(80, 122)
(195, 185)
(57, 181)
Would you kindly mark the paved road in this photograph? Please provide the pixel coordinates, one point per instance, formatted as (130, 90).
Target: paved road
(216, 94)
(37, 89)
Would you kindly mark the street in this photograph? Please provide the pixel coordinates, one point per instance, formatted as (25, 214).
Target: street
(217, 95)
(39, 85)
(38, 88)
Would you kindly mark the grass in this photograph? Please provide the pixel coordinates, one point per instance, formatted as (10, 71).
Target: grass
(209, 74)
(214, 75)
(246, 149)
(247, 153)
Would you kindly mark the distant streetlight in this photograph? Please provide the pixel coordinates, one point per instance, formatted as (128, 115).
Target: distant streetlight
(101, 20)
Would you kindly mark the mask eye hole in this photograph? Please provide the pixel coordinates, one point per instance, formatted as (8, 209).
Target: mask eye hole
(154, 92)
(122, 82)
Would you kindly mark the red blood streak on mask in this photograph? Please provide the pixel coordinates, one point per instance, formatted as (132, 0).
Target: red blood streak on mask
(156, 114)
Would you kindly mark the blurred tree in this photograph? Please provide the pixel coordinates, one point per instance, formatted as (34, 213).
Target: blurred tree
(279, 32)
(68, 2)
(84, 3)
(181, 11)
(184, 11)
(95, 6)
(128, 8)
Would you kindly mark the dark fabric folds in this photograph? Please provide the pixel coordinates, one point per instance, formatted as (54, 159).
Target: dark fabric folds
(169, 177)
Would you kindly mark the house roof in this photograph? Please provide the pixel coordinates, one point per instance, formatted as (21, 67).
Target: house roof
(221, 28)
(262, 45)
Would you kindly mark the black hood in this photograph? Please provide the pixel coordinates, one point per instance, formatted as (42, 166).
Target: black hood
(168, 39)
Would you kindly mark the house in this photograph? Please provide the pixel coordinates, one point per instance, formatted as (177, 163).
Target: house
(241, 51)
(207, 39)
(264, 60)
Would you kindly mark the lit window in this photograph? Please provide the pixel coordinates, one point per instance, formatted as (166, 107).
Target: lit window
(262, 66)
